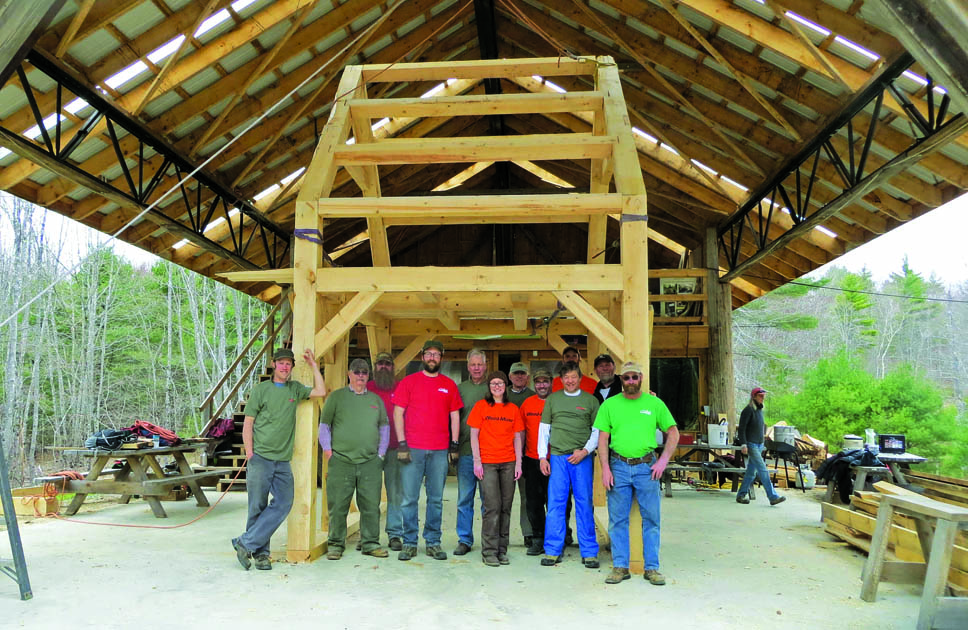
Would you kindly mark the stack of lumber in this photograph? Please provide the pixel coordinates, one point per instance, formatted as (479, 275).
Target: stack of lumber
(855, 525)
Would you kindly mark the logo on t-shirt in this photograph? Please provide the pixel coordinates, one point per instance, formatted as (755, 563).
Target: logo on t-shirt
(647, 412)
(292, 400)
(581, 409)
(443, 390)
(373, 407)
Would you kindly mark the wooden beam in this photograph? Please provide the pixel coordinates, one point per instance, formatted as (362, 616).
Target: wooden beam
(409, 352)
(475, 105)
(346, 318)
(527, 206)
(479, 149)
(487, 69)
(76, 20)
(23, 24)
(516, 278)
(596, 323)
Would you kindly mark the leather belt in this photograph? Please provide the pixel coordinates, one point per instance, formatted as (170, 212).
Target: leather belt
(635, 461)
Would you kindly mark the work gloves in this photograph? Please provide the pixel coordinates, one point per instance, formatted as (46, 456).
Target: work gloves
(403, 453)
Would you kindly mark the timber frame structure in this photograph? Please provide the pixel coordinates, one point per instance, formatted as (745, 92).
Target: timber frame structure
(332, 147)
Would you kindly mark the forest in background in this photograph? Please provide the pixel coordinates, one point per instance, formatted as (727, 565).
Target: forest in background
(112, 343)
(840, 354)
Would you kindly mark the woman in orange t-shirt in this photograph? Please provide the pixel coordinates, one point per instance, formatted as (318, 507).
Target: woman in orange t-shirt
(496, 428)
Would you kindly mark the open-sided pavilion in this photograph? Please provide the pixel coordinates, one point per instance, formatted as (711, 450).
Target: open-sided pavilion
(509, 174)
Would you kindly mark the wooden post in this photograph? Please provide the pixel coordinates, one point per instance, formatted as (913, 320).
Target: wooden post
(635, 249)
(722, 397)
(302, 542)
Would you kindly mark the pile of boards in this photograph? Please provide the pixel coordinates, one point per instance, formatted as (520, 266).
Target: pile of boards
(855, 524)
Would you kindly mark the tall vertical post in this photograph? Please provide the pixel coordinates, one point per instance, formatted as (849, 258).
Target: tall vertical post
(635, 247)
(722, 397)
(308, 319)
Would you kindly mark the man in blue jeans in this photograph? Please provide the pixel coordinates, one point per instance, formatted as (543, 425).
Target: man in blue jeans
(471, 392)
(427, 424)
(750, 436)
(626, 449)
(268, 435)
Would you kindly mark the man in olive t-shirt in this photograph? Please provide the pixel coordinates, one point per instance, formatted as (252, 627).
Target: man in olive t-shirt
(354, 433)
(627, 426)
(268, 434)
(566, 431)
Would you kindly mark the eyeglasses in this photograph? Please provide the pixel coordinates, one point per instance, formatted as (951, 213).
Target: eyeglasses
(432, 355)
(497, 383)
(631, 377)
(361, 372)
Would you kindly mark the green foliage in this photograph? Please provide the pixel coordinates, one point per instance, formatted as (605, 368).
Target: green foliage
(839, 397)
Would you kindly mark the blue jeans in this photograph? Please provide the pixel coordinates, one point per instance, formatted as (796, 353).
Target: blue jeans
(429, 467)
(755, 467)
(467, 483)
(263, 477)
(639, 479)
(577, 478)
(392, 483)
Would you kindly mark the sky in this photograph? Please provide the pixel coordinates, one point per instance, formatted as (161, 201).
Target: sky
(934, 244)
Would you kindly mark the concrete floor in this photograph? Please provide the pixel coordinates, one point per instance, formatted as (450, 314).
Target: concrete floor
(727, 565)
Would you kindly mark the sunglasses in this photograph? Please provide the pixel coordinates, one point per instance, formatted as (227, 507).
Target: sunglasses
(631, 377)
(361, 372)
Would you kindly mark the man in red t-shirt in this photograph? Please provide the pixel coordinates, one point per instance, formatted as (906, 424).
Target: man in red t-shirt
(535, 483)
(587, 384)
(427, 424)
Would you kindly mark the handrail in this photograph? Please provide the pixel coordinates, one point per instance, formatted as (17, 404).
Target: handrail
(245, 350)
(247, 373)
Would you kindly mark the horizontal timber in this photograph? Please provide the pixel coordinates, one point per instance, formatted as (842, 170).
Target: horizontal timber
(533, 206)
(559, 146)
(476, 105)
(487, 69)
(475, 279)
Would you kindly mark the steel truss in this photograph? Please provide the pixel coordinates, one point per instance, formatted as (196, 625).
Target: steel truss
(793, 184)
(200, 199)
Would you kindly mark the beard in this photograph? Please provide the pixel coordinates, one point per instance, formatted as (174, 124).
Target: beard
(384, 379)
(632, 387)
(431, 368)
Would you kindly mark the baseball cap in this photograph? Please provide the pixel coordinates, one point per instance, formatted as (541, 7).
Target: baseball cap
(758, 390)
(433, 343)
(283, 353)
(541, 373)
(384, 356)
(603, 358)
(359, 364)
(518, 367)
(631, 366)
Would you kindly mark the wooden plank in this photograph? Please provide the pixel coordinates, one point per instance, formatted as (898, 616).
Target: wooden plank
(486, 69)
(516, 278)
(596, 323)
(475, 105)
(528, 206)
(577, 146)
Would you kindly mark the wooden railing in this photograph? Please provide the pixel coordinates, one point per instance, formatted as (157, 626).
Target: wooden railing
(210, 412)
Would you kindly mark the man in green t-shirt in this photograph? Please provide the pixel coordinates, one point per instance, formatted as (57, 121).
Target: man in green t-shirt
(354, 433)
(268, 434)
(626, 449)
(471, 392)
(566, 431)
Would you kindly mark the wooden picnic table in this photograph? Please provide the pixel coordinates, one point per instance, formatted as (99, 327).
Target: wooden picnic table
(891, 470)
(140, 474)
(718, 454)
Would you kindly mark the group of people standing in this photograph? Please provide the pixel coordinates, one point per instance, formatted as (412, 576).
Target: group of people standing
(500, 434)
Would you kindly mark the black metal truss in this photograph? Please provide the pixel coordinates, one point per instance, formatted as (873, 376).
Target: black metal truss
(201, 195)
(793, 184)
